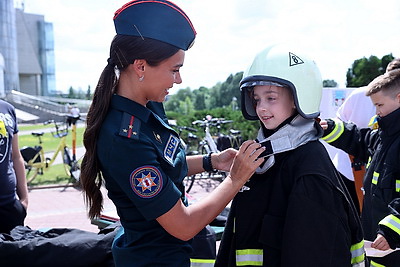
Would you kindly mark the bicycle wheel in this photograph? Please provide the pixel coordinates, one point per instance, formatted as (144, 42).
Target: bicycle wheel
(188, 182)
(28, 154)
(67, 161)
(76, 172)
(72, 167)
(31, 172)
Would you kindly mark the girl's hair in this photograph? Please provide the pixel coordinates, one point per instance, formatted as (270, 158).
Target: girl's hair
(124, 50)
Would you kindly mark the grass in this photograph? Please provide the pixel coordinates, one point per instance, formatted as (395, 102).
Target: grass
(50, 142)
(33, 127)
(55, 174)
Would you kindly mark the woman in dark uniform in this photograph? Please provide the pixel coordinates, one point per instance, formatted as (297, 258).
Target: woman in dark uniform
(130, 146)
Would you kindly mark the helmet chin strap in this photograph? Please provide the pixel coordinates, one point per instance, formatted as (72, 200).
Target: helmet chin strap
(292, 135)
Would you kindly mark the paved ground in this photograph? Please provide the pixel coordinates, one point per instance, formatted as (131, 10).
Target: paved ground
(64, 207)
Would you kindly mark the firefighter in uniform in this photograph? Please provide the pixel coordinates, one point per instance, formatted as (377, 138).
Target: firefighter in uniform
(380, 150)
(295, 210)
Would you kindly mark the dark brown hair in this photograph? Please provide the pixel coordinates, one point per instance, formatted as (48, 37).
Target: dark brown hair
(124, 50)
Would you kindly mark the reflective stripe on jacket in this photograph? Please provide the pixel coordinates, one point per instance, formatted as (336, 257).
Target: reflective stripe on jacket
(249, 257)
(201, 263)
(392, 222)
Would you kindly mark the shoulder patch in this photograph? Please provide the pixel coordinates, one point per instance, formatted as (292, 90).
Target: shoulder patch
(130, 126)
(146, 181)
(170, 148)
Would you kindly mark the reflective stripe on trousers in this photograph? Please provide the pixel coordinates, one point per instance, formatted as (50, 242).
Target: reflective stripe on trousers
(249, 257)
(201, 263)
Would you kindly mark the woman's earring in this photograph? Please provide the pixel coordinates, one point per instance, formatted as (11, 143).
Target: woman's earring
(141, 78)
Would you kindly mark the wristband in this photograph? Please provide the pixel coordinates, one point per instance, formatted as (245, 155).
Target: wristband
(207, 164)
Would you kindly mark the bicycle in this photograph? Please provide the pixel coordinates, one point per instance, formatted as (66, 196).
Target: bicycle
(188, 141)
(36, 162)
(213, 144)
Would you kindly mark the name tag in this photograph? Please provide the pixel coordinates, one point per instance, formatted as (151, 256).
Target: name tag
(170, 148)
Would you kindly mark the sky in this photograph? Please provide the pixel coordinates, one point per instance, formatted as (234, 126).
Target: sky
(229, 34)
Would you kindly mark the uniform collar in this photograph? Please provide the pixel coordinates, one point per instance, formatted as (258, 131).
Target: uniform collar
(126, 105)
(143, 113)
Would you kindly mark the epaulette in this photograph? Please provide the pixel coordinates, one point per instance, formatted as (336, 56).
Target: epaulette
(130, 126)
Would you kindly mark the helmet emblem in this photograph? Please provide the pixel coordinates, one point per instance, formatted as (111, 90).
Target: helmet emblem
(294, 60)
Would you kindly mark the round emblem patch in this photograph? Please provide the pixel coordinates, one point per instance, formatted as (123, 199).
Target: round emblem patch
(146, 181)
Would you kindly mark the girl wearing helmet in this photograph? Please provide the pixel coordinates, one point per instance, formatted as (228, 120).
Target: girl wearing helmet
(295, 210)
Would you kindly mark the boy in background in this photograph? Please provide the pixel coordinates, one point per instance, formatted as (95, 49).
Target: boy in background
(380, 150)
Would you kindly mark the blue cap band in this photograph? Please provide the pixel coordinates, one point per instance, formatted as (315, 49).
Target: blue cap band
(157, 19)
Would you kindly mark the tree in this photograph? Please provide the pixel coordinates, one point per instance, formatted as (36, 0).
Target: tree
(200, 98)
(186, 107)
(88, 93)
(71, 92)
(329, 83)
(173, 101)
(364, 70)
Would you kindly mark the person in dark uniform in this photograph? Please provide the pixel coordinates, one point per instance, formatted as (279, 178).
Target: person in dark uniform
(131, 148)
(379, 149)
(295, 210)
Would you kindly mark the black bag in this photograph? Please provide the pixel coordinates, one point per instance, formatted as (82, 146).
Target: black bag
(204, 244)
(57, 247)
(223, 142)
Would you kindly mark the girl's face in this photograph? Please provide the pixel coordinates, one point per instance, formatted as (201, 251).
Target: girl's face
(274, 104)
(161, 78)
(385, 104)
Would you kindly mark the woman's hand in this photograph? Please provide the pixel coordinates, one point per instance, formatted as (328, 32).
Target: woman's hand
(246, 161)
(223, 160)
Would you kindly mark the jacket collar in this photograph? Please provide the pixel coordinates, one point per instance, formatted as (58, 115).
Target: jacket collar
(390, 123)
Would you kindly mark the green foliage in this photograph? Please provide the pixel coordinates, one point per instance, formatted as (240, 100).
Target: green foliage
(248, 128)
(52, 176)
(364, 70)
(220, 101)
(88, 93)
(329, 83)
(220, 95)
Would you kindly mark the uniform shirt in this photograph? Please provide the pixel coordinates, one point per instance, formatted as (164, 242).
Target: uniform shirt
(8, 127)
(143, 164)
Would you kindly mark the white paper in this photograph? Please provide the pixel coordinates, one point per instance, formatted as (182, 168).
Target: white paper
(373, 252)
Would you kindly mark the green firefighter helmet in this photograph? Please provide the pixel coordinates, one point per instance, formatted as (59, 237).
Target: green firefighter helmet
(280, 64)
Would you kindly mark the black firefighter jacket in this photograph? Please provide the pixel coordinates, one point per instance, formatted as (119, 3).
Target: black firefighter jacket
(297, 213)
